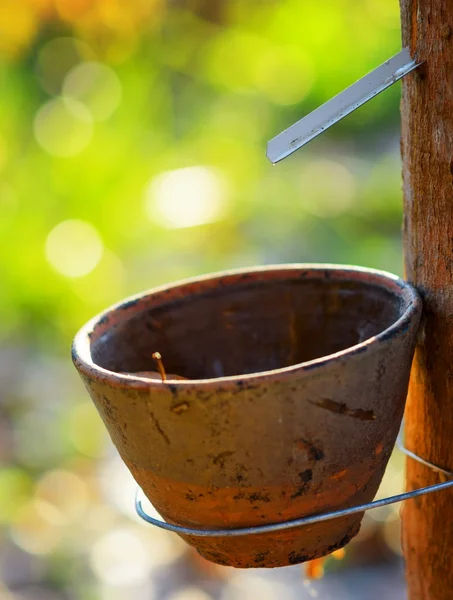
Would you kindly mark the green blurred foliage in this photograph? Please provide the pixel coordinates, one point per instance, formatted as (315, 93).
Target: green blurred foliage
(195, 91)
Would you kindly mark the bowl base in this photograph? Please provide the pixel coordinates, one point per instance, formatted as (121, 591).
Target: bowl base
(278, 549)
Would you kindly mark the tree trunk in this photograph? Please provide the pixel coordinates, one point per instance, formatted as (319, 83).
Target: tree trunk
(427, 151)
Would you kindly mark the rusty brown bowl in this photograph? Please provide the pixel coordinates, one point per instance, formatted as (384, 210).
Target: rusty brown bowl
(297, 379)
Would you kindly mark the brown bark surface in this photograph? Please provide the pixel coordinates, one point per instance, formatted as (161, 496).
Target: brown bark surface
(427, 150)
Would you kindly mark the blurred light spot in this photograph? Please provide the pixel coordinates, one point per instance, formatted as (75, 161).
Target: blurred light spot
(74, 248)
(112, 14)
(35, 527)
(140, 591)
(186, 197)
(72, 10)
(328, 188)
(253, 586)
(43, 7)
(101, 517)
(65, 491)
(339, 554)
(393, 481)
(309, 586)
(15, 489)
(63, 127)
(162, 547)
(56, 58)
(96, 86)
(105, 285)
(85, 430)
(119, 487)
(285, 77)
(120, 558)
(5, 593)
(18, 24)
(190, 593)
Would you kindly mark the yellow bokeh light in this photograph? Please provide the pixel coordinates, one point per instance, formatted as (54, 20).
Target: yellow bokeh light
(119, 487)
(138, 591)
(36, 527)
(85, 430)
(186, 197)
(96, 86)
(18, 25)
(74, 248)
(6, 594)
(43, 7)
(253, 586)
(72, 10)
(63, 127)
(162, 547)
(129, 19)
(190, 593)
(93, 290)
(120, 558)
(65, 491)
(15, 490)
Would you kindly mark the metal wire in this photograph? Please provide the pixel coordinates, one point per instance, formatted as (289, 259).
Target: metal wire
(410, 454)
(310, 520)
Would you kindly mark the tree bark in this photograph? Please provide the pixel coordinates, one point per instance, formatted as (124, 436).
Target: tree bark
(427, 151)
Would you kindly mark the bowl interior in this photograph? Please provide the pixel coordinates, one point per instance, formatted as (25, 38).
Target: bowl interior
(246, 326)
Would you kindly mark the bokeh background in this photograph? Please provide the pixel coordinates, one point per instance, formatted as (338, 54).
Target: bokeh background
(132, 153)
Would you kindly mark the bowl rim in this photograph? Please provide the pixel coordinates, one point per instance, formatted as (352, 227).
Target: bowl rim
(81, 346)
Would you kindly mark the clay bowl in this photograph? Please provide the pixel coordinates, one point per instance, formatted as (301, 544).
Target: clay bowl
(297, 380)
